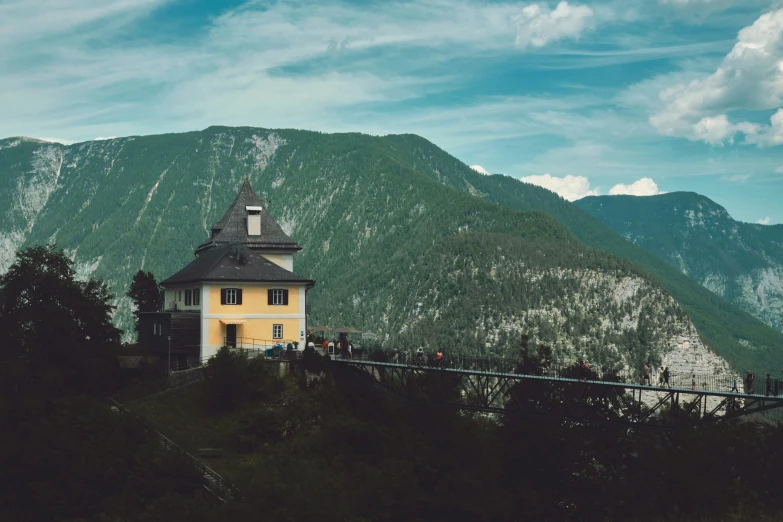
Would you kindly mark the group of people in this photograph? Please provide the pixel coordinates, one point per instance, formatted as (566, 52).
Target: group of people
(421, 359)
(750, 379)
(343, 346)
(663, 377)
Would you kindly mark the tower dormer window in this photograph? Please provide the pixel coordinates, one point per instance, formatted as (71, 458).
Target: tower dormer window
(253, 220)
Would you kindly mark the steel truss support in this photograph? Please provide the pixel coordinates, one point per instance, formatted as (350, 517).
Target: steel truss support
(569, 399)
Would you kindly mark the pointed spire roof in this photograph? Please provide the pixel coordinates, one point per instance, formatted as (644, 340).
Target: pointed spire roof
(232, 229)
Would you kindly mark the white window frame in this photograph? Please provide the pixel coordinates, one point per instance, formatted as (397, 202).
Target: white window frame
(277, 331)
(231, 296)
(278, 296)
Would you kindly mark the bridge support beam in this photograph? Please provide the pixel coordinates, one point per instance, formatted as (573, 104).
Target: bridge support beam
(564, 398)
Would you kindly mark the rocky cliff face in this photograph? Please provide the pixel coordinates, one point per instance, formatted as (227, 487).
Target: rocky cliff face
(740, 262)
(410, 256)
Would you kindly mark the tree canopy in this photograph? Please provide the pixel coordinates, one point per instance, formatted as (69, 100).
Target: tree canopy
(145, 292)
(53, 325)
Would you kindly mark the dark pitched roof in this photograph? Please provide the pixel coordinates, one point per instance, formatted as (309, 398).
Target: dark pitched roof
(232, 228)
(233, 263)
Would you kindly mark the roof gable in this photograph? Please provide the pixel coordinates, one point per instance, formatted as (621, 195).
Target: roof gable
(232, 229)
(233, 263)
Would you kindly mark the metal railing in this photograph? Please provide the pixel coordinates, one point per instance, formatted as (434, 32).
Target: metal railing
(249, 343)
(188, 365)
(700, 382)
(213, 482)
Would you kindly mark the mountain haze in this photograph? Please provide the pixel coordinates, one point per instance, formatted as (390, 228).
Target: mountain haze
(403, 240)
(741, 262)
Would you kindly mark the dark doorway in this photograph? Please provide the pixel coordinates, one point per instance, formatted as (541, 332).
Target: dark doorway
(231, 335)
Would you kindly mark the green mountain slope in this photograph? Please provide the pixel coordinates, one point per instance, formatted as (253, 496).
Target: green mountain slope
(741, 262)
(392, 229)
(735, 334)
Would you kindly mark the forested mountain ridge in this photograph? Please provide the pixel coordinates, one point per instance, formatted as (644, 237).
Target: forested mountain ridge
(732, 332)
(413, 253)
(741, 262)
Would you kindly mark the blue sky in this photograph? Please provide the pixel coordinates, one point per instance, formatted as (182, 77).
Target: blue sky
(612, 96)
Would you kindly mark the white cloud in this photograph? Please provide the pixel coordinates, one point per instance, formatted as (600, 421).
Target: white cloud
(479, 169)
(765, 135)
(714, 130)
(697, 7)
(764, 221)
(640, 187)
(737, 178)
(538, 26)
(749, 78)
(685, 3)
(568, 187)
(100, 138)
(57, 140)
(55, 79)
(22, 21)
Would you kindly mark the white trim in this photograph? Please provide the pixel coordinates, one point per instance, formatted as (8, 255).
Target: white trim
(263, 284)
(279, 337)
(253, 316)
(302, 315)
(204, 299)
(222, 283)
(208, 350)
(205, 348)
(250, 207)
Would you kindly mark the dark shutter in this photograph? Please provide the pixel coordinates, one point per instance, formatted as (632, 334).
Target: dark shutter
(196, 297)
(285, 297)
(222, 296)
(269, 298)
(187, 297)
(239, 296)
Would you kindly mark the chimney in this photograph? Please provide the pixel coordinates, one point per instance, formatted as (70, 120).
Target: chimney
(253, 220)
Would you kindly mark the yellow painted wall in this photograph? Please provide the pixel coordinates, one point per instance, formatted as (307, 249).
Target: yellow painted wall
(254, 300)
(282, 260)
(259, 329)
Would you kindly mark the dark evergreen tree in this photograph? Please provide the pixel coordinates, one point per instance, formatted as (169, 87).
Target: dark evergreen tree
(145, 292)
(53, 328)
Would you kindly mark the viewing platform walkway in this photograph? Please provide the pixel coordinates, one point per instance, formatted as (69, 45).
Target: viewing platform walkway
(494, 386)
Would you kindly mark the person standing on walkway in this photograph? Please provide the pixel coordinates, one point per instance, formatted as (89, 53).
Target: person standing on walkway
(585, 370)
(666, 375)
(439, 358)
(350, 350)
(693, 381)
(646, 377)
(734, 388)
(749, 383)
(660, 377)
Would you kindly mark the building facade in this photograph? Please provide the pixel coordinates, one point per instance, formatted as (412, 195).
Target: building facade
(241, 286)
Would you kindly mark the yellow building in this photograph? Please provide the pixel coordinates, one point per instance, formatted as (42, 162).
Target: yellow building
(241, 285)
